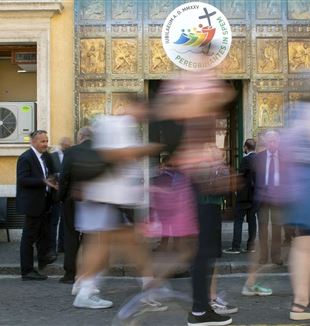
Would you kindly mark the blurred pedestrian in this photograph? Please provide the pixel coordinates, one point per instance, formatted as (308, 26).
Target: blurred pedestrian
(215, 179)
(295, 195)
(98, 213)
(193, 102)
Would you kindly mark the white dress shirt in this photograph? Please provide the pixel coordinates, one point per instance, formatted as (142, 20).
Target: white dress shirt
(247, 154)
(39, 156)
(276, 168)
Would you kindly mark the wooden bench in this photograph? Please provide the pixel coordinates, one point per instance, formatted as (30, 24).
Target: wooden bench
(9, 218)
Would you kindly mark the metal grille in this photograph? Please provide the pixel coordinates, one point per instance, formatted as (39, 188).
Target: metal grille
(14, 220)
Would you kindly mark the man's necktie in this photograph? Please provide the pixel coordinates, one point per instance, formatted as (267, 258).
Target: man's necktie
(45, 166)
(271, 172)
(48, 189)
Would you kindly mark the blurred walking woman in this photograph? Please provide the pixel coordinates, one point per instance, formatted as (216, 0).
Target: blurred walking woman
(297, 145)
(98, 214)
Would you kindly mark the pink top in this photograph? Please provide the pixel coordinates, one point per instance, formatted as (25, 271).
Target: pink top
(173, 205)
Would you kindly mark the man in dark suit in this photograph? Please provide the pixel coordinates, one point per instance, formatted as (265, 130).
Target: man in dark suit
(57, 220)
(245, 204)
(33, 198)
(268, 179)
(71, 236)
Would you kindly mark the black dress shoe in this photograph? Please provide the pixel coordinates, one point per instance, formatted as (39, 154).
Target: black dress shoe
(67, 279)
(278, 262)
(48, 260)
(34, 276)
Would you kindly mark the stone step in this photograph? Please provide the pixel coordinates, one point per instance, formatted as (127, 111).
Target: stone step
(223, 268)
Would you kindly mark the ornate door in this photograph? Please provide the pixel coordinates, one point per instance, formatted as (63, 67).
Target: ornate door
(118, 47)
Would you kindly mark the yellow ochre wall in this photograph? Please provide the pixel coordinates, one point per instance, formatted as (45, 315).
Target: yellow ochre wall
(62, 83)
(61, 86)
(8, 170)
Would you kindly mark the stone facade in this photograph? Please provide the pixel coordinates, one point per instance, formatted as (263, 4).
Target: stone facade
(270, 52)
(29, 22)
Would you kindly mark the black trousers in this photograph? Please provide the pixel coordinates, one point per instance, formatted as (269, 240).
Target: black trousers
(250, 213)
(71, 239)
(36, 231)
(209, 248)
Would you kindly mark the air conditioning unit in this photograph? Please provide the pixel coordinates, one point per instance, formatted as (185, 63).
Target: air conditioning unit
(17, 121)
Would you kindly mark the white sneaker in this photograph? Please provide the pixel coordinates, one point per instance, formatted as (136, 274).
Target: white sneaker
(91, 300)
(221, 307)
(77, 286)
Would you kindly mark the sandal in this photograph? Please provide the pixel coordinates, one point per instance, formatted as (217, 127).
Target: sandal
(300, 315)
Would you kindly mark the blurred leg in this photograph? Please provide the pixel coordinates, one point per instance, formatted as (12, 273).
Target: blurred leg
(276, 243)
(300, 270)
(276, 234)
(164, 242)
(203, 264)
(252, 272)
(213, 287)
(252, 224)
(95, 253)
(134, 250)
(201, 281)
(94, 260)
(55, 214)
(60, 244)
(181, 255)
(263, 221)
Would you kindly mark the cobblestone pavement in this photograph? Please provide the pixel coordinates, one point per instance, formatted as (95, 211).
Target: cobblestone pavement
(49, 303)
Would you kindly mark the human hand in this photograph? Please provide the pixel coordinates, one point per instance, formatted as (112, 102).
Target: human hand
(51, 182)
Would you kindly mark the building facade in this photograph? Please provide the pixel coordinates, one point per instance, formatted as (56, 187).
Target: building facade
(92, 53)
(46, 26)
(118, 50)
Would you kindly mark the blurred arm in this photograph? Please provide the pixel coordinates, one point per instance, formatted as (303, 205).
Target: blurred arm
(129, 153)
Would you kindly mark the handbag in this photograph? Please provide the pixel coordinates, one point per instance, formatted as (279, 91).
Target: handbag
(215, 179)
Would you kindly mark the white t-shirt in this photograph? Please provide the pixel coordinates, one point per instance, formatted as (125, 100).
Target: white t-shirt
(122, 185)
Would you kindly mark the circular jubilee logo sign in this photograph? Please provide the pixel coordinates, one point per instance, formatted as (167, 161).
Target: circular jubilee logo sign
(196, 36)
